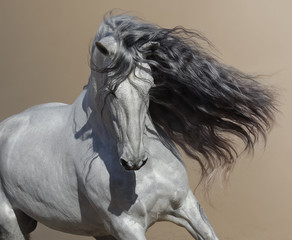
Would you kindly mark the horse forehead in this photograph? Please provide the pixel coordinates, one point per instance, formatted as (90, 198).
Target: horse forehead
(133, 87)
(143, 71)
(140, 80)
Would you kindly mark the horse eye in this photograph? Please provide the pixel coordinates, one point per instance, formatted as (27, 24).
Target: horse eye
(111, 92)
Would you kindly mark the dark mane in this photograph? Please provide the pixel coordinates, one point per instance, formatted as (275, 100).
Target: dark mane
(197, 101)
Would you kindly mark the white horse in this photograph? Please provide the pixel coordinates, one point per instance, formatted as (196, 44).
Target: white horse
(106, 166)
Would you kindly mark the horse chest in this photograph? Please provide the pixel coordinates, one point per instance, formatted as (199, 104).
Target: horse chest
(152, 191)
(160, 191)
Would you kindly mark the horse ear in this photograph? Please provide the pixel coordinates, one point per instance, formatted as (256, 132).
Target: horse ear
(102, 48)
(150, 46)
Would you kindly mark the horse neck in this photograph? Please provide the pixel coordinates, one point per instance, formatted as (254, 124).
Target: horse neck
(87, 118)
(93, 101)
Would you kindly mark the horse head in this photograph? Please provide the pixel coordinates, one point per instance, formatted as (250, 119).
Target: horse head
(125, 101)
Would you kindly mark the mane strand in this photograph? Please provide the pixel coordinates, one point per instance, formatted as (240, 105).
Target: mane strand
(197, 101)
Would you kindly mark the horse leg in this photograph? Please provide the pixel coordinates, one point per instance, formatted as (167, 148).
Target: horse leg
(191, 216)
(105, 238)
(14, 224)
(125, 229)
(26, 223)
(9, 227)
(126, 235)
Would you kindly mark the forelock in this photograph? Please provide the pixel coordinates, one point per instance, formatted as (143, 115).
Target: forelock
(130, 34)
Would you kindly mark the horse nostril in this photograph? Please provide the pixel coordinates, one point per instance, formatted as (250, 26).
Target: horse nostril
(129, 167)
(125, 164)
(144, 162)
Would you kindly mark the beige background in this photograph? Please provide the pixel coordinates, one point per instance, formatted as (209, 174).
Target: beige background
(44, 57)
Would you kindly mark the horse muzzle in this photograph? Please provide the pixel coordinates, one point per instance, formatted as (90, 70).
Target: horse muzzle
(133, 165)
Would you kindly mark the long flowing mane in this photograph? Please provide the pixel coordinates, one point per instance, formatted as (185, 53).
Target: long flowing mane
(197, 101)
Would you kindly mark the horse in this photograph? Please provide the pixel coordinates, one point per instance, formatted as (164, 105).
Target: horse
(108, 165)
